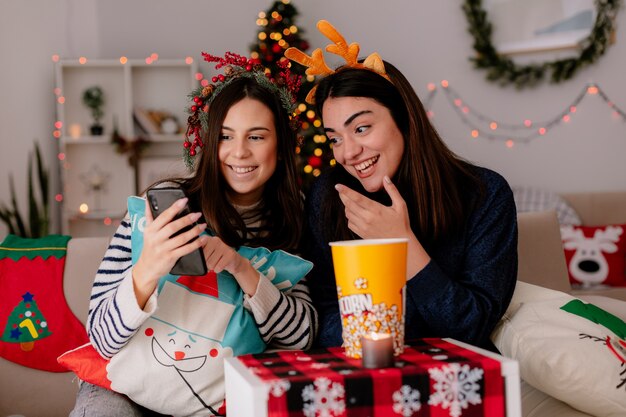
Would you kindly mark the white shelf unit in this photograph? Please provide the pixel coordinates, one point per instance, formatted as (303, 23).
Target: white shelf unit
(162, 85)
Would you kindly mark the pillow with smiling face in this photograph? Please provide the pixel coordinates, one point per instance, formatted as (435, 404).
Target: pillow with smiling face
(174, 363)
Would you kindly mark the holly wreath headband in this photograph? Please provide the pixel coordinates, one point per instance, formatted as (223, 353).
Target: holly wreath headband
(284, 84)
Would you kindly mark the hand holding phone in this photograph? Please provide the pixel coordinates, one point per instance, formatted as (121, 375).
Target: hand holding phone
(159, 200)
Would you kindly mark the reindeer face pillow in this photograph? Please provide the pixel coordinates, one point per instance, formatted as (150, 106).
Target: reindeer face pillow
(595, 255)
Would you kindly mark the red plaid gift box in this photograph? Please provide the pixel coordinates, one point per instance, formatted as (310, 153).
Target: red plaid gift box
(433, 377)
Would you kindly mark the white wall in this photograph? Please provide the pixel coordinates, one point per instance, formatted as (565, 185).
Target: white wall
(426, 40)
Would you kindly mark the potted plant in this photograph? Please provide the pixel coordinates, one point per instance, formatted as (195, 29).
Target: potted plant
(38, 221)
(93, 97)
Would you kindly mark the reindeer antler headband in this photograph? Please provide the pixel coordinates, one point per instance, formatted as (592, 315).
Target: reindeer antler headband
(317, 66)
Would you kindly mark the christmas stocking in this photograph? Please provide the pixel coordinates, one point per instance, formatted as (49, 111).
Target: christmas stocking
(36, 324)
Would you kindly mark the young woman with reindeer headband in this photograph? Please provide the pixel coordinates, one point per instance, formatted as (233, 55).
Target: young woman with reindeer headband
(395, 177)
(244, 189)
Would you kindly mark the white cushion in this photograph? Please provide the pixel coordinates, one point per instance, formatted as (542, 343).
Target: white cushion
(611, 305)
(537, 199)
(563, 353)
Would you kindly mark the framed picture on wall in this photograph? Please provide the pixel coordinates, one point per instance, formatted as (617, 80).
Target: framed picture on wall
(531, 26)
(153, 169)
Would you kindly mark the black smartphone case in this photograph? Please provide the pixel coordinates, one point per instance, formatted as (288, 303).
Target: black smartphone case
(159, 199)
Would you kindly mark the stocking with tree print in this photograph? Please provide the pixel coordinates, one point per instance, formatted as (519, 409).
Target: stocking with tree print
(36, 324)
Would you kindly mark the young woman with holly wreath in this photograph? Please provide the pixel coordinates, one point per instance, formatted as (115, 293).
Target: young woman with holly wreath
(245, 189)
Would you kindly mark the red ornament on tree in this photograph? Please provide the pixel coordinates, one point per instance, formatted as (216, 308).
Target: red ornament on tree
(315, 161)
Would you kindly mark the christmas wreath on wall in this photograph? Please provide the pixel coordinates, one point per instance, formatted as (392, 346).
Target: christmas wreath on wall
(503, 70)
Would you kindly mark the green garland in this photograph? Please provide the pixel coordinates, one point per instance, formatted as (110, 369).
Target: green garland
(504, 71)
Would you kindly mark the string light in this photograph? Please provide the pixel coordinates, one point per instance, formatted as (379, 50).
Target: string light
(513, 132)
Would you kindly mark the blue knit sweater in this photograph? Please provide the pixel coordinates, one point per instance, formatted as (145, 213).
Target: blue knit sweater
(461, 293)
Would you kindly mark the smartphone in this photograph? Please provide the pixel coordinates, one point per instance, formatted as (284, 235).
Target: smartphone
(159, 199)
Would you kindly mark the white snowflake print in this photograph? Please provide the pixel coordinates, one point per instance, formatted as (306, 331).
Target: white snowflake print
(323, 398)
(406, 401)
(279, 387)
(456, 387)
(360, 283)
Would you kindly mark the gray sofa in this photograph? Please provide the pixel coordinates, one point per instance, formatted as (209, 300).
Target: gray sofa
(33, 393)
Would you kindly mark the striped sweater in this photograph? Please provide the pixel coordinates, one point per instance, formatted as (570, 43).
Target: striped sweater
(285, 320)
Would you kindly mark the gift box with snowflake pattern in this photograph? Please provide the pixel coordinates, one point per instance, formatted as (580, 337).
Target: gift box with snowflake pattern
(433, 377)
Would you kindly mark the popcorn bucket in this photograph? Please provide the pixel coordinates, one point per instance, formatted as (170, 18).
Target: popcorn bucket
(371, 279)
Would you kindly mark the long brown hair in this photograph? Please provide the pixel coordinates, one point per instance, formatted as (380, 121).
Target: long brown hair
(281, 205)
(436, 184)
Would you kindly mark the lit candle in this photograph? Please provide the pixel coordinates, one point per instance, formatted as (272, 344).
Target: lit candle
(377, 350)
(74, 131)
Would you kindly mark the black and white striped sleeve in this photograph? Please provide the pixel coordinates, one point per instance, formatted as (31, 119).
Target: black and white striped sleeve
(114, 314)
(285, 320)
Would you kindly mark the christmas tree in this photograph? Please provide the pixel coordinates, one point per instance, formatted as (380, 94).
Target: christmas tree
(277, 32)
(26, 324)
